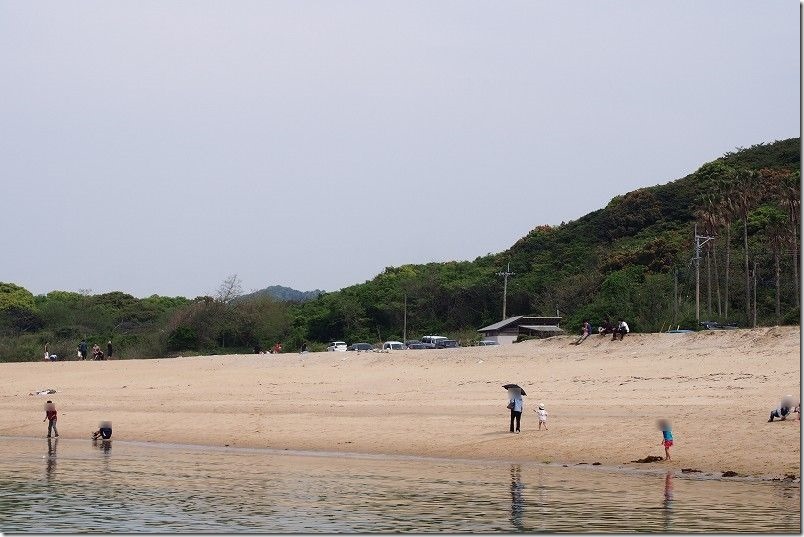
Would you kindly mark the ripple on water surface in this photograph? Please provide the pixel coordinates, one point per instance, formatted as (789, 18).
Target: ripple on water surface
(75, 486)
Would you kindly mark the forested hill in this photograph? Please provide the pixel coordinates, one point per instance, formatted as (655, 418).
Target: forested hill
(284, 294)
(630, 259)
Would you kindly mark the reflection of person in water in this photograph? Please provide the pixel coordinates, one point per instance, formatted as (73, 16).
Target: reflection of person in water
(668, 501)
(103, 445)
(517, 501)
(52, 444)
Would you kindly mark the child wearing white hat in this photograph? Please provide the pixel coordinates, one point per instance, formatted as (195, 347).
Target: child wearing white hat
(542, 413)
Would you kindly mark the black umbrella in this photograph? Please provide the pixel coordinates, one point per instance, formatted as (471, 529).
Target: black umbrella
(515, 387)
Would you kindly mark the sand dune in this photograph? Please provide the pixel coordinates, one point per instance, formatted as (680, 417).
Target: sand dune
(604, 397)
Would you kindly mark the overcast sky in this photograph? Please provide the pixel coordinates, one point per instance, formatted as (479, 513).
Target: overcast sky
(160, 146)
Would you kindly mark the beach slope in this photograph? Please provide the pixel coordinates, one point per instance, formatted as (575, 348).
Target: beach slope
(603, 397)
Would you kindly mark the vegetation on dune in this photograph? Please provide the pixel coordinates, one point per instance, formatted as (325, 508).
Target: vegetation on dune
(631, 259)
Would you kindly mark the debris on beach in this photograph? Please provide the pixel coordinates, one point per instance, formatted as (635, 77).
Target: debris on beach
(729, 473)
(650, 458)
(595, 464)
(689, 471)
(43, 392)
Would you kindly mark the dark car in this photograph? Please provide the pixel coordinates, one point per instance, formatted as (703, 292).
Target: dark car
(360, 347)
(446, 344)
(416, 344)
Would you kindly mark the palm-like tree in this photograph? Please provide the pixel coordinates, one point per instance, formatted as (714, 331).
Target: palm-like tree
(745, 194)
(726, 212)
(790, 195)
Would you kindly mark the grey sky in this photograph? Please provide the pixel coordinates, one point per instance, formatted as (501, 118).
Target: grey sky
(158, 147)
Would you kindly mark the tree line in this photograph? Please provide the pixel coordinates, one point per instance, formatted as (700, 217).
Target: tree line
(634, 258)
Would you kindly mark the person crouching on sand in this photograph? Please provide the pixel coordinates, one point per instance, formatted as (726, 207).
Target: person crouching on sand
(104, 431)
(783, 409)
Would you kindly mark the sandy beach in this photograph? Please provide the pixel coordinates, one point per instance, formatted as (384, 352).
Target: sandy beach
(603, 398)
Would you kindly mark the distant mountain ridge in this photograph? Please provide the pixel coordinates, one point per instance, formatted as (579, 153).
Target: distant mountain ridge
(285, 294)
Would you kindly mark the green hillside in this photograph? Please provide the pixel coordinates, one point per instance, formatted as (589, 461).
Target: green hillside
(623, 260)
(630, 259)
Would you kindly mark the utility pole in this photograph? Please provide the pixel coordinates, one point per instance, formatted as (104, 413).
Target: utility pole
(675, 294)
(754, 324)
(405, 321)
(700, 240)
(505, 285)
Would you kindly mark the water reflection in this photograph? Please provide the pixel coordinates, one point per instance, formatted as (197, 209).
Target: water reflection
(180, 489)
(50, 467)
(517, 502)
(668, 502)
(103, 445)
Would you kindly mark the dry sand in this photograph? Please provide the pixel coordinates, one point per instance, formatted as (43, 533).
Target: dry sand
(603, 397)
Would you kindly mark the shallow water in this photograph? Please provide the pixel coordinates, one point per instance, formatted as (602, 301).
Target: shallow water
(75, 486)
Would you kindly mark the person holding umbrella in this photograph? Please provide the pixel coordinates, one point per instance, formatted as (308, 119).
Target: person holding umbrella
(515, 404)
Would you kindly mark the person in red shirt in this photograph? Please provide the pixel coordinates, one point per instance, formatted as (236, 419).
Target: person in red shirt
(50, 417)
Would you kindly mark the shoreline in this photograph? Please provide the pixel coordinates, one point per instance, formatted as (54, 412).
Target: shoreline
(694, 475)
(603, 397)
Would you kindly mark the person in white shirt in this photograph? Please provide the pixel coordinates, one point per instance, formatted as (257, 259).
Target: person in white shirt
(542, 413)
(622, 329)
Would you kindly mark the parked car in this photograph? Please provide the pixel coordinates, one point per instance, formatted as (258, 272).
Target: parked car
(360, 347)
(393, 346)
(432, 339)
(337, 346)
(446, 344)
(714, 325)
(486, 343)
(415, 344)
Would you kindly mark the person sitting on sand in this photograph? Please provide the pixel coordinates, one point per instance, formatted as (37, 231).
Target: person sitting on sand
(584, 332)
(605, 328)
(621, 328)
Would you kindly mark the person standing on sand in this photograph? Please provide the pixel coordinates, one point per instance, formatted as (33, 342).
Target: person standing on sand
(50, 417)
(542, 413)
(667, 438)
(516, 405)
(109, 349)
(82, 349)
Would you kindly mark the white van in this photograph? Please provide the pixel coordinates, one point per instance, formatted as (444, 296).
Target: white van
(433, 339)
(393, 346)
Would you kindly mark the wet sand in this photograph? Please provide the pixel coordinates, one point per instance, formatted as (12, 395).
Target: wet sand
(603, 398)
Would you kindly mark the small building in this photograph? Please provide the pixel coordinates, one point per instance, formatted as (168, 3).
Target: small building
(510, 329)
